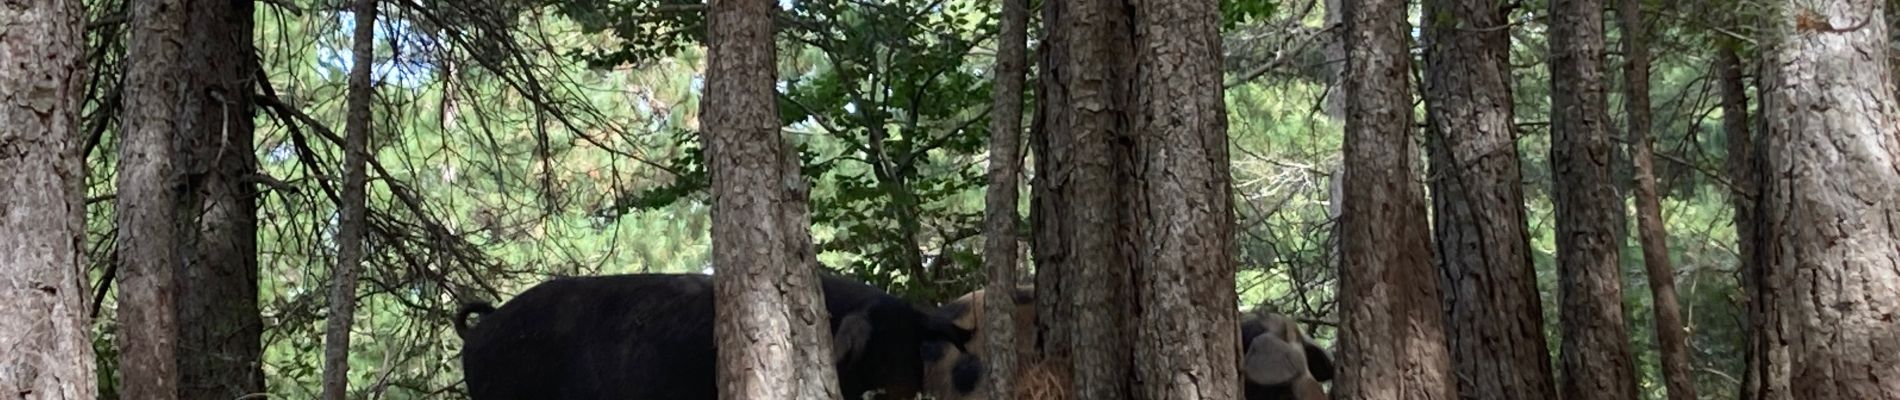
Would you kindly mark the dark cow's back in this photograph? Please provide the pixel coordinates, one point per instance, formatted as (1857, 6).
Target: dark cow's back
(650, 336)
(607, 337)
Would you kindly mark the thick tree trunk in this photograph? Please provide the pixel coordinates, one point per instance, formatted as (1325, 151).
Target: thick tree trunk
(219, 339)
(999, 218)
(1744, 174)
(1494, 318)
(1392, 339)
(1047, 245)
(354, 209)
(1085, 243)
(150, 207)
(1122, 273)
(1832, 205)
(1595, 361)
(761, 240)
(1672, 339)
(42, 279)
(1186, 348)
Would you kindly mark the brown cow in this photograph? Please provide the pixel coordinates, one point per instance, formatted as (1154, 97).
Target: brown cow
(1278, 361)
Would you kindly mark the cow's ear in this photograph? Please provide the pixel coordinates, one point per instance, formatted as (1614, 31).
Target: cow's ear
(938, 328)
(850, 337)
(1317, 361)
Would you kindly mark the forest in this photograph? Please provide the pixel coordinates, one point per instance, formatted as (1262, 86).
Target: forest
(1430, 199)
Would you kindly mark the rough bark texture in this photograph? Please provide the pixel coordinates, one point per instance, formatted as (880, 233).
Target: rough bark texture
(1046, 235)
(1000, 218)
(42, 282)
(1334, 49)
(150, 205)
(336, 332)
(1743, 168)
(1084, 238)
(1109, 258)
(771, 323)
(219, 338)
(1335, 108)
(1186, 346)
(1832, 205)
(1392, 343)
(1494, 318)
(1595, 361)
(1672, 337)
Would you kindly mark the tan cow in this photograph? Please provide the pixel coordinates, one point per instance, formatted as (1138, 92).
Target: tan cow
(1278, 362)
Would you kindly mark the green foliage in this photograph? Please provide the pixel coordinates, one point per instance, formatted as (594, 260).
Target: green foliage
(643, 30)
(1239, 12)
(891, 126)
(1284, 162)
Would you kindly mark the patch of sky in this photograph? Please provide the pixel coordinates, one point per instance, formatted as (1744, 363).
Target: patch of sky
(412, 67)
(280, 152)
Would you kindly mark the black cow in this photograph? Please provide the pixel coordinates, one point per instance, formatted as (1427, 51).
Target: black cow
(1277, 361)
(650, 336)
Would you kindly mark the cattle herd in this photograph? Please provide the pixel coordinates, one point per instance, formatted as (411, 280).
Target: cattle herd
(650, 336)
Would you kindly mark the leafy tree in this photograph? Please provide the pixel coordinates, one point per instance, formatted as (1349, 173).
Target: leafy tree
(892, 123)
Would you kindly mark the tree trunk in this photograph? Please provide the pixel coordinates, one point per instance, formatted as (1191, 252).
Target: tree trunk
(219, 323)
(1085, 237)
(1494, 318)
(219, 340)
(1334, 42)
(761, 240)
(1392, 343)
(1832, 259)
(1672, 339)
(354, 208)
(42, 277)
(150, 208)
(1186, 347)
(1595, 361)
(1047, 243)
(1122, 273)
(1743, 171)
(999, 218)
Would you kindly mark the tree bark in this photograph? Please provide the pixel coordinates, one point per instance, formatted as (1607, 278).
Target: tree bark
(1392, 343)
(1046, 234)
(761, 240)
(1595, 361)
(220, 330)
(1744, 174)
(1186, 346)
(354, 209)
(1672, 338)
(1334, 106)
(1832, 255)
(43, 308)
(1334, 42)
(1085, 237)
(999, 218)
(150, 206)
(1120, 273)
(1494, 318)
